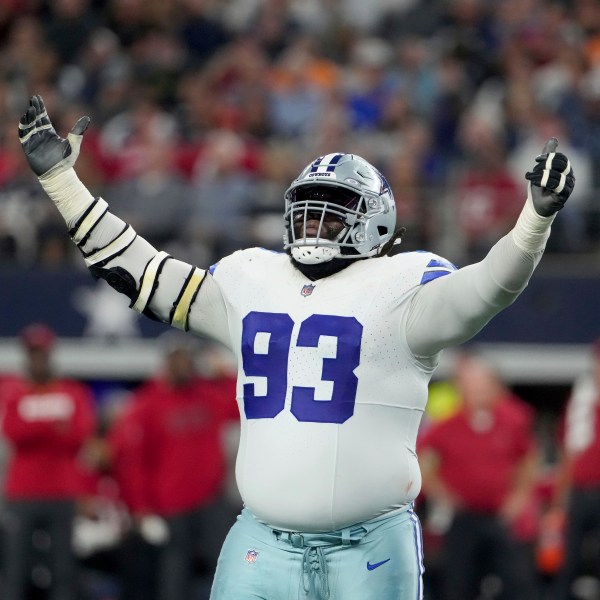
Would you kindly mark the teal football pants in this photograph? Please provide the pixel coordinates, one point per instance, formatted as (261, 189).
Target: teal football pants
(380, 559)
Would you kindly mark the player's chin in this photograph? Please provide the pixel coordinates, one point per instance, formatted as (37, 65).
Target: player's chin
(320, 270)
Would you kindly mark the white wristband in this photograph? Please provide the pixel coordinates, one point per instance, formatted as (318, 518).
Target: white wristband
(71, 197)
(531, 231)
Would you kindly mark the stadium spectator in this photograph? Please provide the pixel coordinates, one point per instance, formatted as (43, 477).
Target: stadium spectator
(577, 494)
(46, 421)
(479, 467)
(69, 26)
(169, 460)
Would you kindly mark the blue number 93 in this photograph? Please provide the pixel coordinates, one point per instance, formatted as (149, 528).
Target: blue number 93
(273, 366)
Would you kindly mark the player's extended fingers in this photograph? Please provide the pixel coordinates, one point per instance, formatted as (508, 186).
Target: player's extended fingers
(35, 102)
(42, 117)
(28, 118)
(27, 124)
(81, 125)
(550, 146)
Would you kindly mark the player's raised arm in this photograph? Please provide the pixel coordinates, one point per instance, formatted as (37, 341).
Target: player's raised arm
(111, 248)
(452, 309)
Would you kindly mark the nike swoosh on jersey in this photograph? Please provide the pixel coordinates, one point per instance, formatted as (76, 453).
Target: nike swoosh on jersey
(375, 565)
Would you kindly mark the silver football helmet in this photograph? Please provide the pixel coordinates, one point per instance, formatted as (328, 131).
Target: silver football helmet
(345, 187)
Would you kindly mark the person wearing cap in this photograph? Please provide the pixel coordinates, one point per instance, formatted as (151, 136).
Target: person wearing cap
(46, 422)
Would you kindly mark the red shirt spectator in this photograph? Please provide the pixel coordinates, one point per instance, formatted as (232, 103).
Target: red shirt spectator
(577, 487)
(182, 440)
(168, 457)
(579, 434)
(478, 466)
(167, 446)
(46, 426)
(46, 422)
(478, 454)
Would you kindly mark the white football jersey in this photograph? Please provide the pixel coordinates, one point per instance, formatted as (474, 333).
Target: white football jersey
(329, 393)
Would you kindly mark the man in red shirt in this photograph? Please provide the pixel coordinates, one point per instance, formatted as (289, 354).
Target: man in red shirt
(577, 493)
(479, 464)
(168, 457)
(46, 422)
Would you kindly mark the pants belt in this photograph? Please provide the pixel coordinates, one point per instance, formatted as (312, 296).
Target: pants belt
(344, 537)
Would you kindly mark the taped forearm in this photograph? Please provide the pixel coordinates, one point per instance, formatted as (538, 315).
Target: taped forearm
(71, 197)
(531, 231)
(113, 251)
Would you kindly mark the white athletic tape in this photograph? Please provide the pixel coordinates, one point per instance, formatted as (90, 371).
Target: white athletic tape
(71, 197)
(563, 178)
(116, 246)
(547, 169)
(90, 220)
(531, 231)
(148, 281)
(180, 316)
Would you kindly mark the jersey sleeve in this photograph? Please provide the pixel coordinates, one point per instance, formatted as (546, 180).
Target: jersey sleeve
(447, 311)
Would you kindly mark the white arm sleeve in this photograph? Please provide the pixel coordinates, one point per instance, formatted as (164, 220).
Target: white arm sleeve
(452, 309)
(157, 284)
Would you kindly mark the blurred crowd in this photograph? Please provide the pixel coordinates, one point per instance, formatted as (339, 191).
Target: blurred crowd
(203, 111)
(126, 495)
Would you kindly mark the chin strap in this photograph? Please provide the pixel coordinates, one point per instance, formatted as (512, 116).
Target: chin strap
(395, 239)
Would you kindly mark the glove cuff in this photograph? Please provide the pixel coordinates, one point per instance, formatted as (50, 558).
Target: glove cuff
(531, 232)
(71, 197)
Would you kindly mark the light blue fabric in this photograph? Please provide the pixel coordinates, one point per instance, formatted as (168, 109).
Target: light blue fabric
(375, 560)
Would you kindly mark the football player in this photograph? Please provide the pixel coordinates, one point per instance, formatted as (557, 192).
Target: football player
(336, 342)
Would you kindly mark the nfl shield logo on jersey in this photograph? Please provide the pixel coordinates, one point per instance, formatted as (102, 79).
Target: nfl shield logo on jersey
(307, 290)
(251, 556)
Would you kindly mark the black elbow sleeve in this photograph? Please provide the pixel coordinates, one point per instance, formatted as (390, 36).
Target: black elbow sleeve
(118, 278)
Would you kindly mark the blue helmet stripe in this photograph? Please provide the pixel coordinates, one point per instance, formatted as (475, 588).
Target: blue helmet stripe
(316, 164)
(334, 161)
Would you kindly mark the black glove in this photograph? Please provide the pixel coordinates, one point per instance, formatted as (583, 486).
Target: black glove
(45, 150)
(552, 180)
